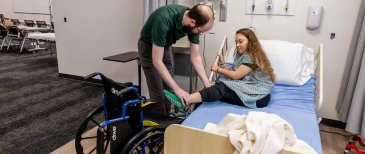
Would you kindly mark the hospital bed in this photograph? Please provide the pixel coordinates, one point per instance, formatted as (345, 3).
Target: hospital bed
(38, 38)
(297, 104)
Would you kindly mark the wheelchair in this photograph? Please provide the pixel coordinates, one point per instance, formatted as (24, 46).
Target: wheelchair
(121, 125)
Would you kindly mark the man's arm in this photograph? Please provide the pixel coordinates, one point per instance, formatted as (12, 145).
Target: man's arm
(157, 60)
(196, 60)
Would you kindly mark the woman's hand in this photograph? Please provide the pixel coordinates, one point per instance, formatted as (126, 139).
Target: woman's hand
(215, 67)
(220, 60)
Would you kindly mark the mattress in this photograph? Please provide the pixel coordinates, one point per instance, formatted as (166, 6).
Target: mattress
(295, 104)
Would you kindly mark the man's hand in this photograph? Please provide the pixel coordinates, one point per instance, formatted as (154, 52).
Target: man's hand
(182, 94)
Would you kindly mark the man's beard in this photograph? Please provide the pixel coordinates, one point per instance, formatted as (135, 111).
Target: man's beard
(187, 29)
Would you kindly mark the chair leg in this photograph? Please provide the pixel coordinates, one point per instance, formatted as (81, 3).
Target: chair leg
(35, 47)
(2, 44)
(35, 57)
(9, 44)
(50, 47)
(21, 48)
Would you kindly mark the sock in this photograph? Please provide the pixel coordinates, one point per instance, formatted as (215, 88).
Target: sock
(174, 100)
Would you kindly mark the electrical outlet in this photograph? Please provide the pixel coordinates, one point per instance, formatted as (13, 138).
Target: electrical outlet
(332, 36)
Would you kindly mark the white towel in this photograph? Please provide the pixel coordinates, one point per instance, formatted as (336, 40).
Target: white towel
(260, 132)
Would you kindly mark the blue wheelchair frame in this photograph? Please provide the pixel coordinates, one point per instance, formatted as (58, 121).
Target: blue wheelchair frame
(123, 130)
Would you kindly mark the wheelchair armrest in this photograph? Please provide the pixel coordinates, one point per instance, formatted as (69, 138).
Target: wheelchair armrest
(108, 122)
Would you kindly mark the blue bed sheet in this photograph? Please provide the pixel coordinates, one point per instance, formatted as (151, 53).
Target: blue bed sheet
(295, 104)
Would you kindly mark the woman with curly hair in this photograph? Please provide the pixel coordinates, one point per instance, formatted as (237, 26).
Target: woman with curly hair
(250, 80)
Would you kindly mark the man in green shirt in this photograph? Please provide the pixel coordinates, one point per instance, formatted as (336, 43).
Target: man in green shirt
(163, 28)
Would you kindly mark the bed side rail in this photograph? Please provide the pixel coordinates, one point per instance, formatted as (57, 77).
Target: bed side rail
(318, 68)
(222, 51)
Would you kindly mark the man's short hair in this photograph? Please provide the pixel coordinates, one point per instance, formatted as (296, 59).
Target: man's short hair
(198, 15)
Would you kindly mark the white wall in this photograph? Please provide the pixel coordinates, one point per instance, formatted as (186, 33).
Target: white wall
(6, 8)
(292, 28)
(97, 29)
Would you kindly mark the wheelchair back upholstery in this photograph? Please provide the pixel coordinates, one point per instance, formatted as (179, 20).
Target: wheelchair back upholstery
(113, 104)
(119, 132)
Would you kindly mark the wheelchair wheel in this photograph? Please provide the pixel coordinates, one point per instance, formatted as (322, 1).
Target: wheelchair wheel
(84, 136)
(149, 141)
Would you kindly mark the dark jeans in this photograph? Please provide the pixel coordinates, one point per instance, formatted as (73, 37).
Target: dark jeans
(221, 92)
(154, 81)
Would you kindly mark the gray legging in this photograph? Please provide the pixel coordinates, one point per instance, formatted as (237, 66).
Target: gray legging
(154, 81)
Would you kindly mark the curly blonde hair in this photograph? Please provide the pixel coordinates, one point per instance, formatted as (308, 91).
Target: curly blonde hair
(258, 55)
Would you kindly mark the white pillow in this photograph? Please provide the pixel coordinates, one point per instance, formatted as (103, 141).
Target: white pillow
(292, 62)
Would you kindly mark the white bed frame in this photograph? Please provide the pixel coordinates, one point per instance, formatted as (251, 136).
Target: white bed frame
(222, 51)
(181, 139)
(318, 71)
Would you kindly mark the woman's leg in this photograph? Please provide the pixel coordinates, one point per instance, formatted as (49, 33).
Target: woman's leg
(231, 97)
(223, 93)
(219, 91)
(263, 102)
(209, 94)
(212, 93)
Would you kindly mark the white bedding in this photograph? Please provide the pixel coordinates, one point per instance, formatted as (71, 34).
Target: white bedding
(260, 132)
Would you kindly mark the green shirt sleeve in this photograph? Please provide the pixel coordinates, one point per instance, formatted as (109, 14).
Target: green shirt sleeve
(193, 38)
(159, 31)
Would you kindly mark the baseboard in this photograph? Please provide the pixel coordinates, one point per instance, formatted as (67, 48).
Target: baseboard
(80, 78)
(333, 123)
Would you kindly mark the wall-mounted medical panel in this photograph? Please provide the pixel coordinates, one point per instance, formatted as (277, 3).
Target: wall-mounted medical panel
(271, 7)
